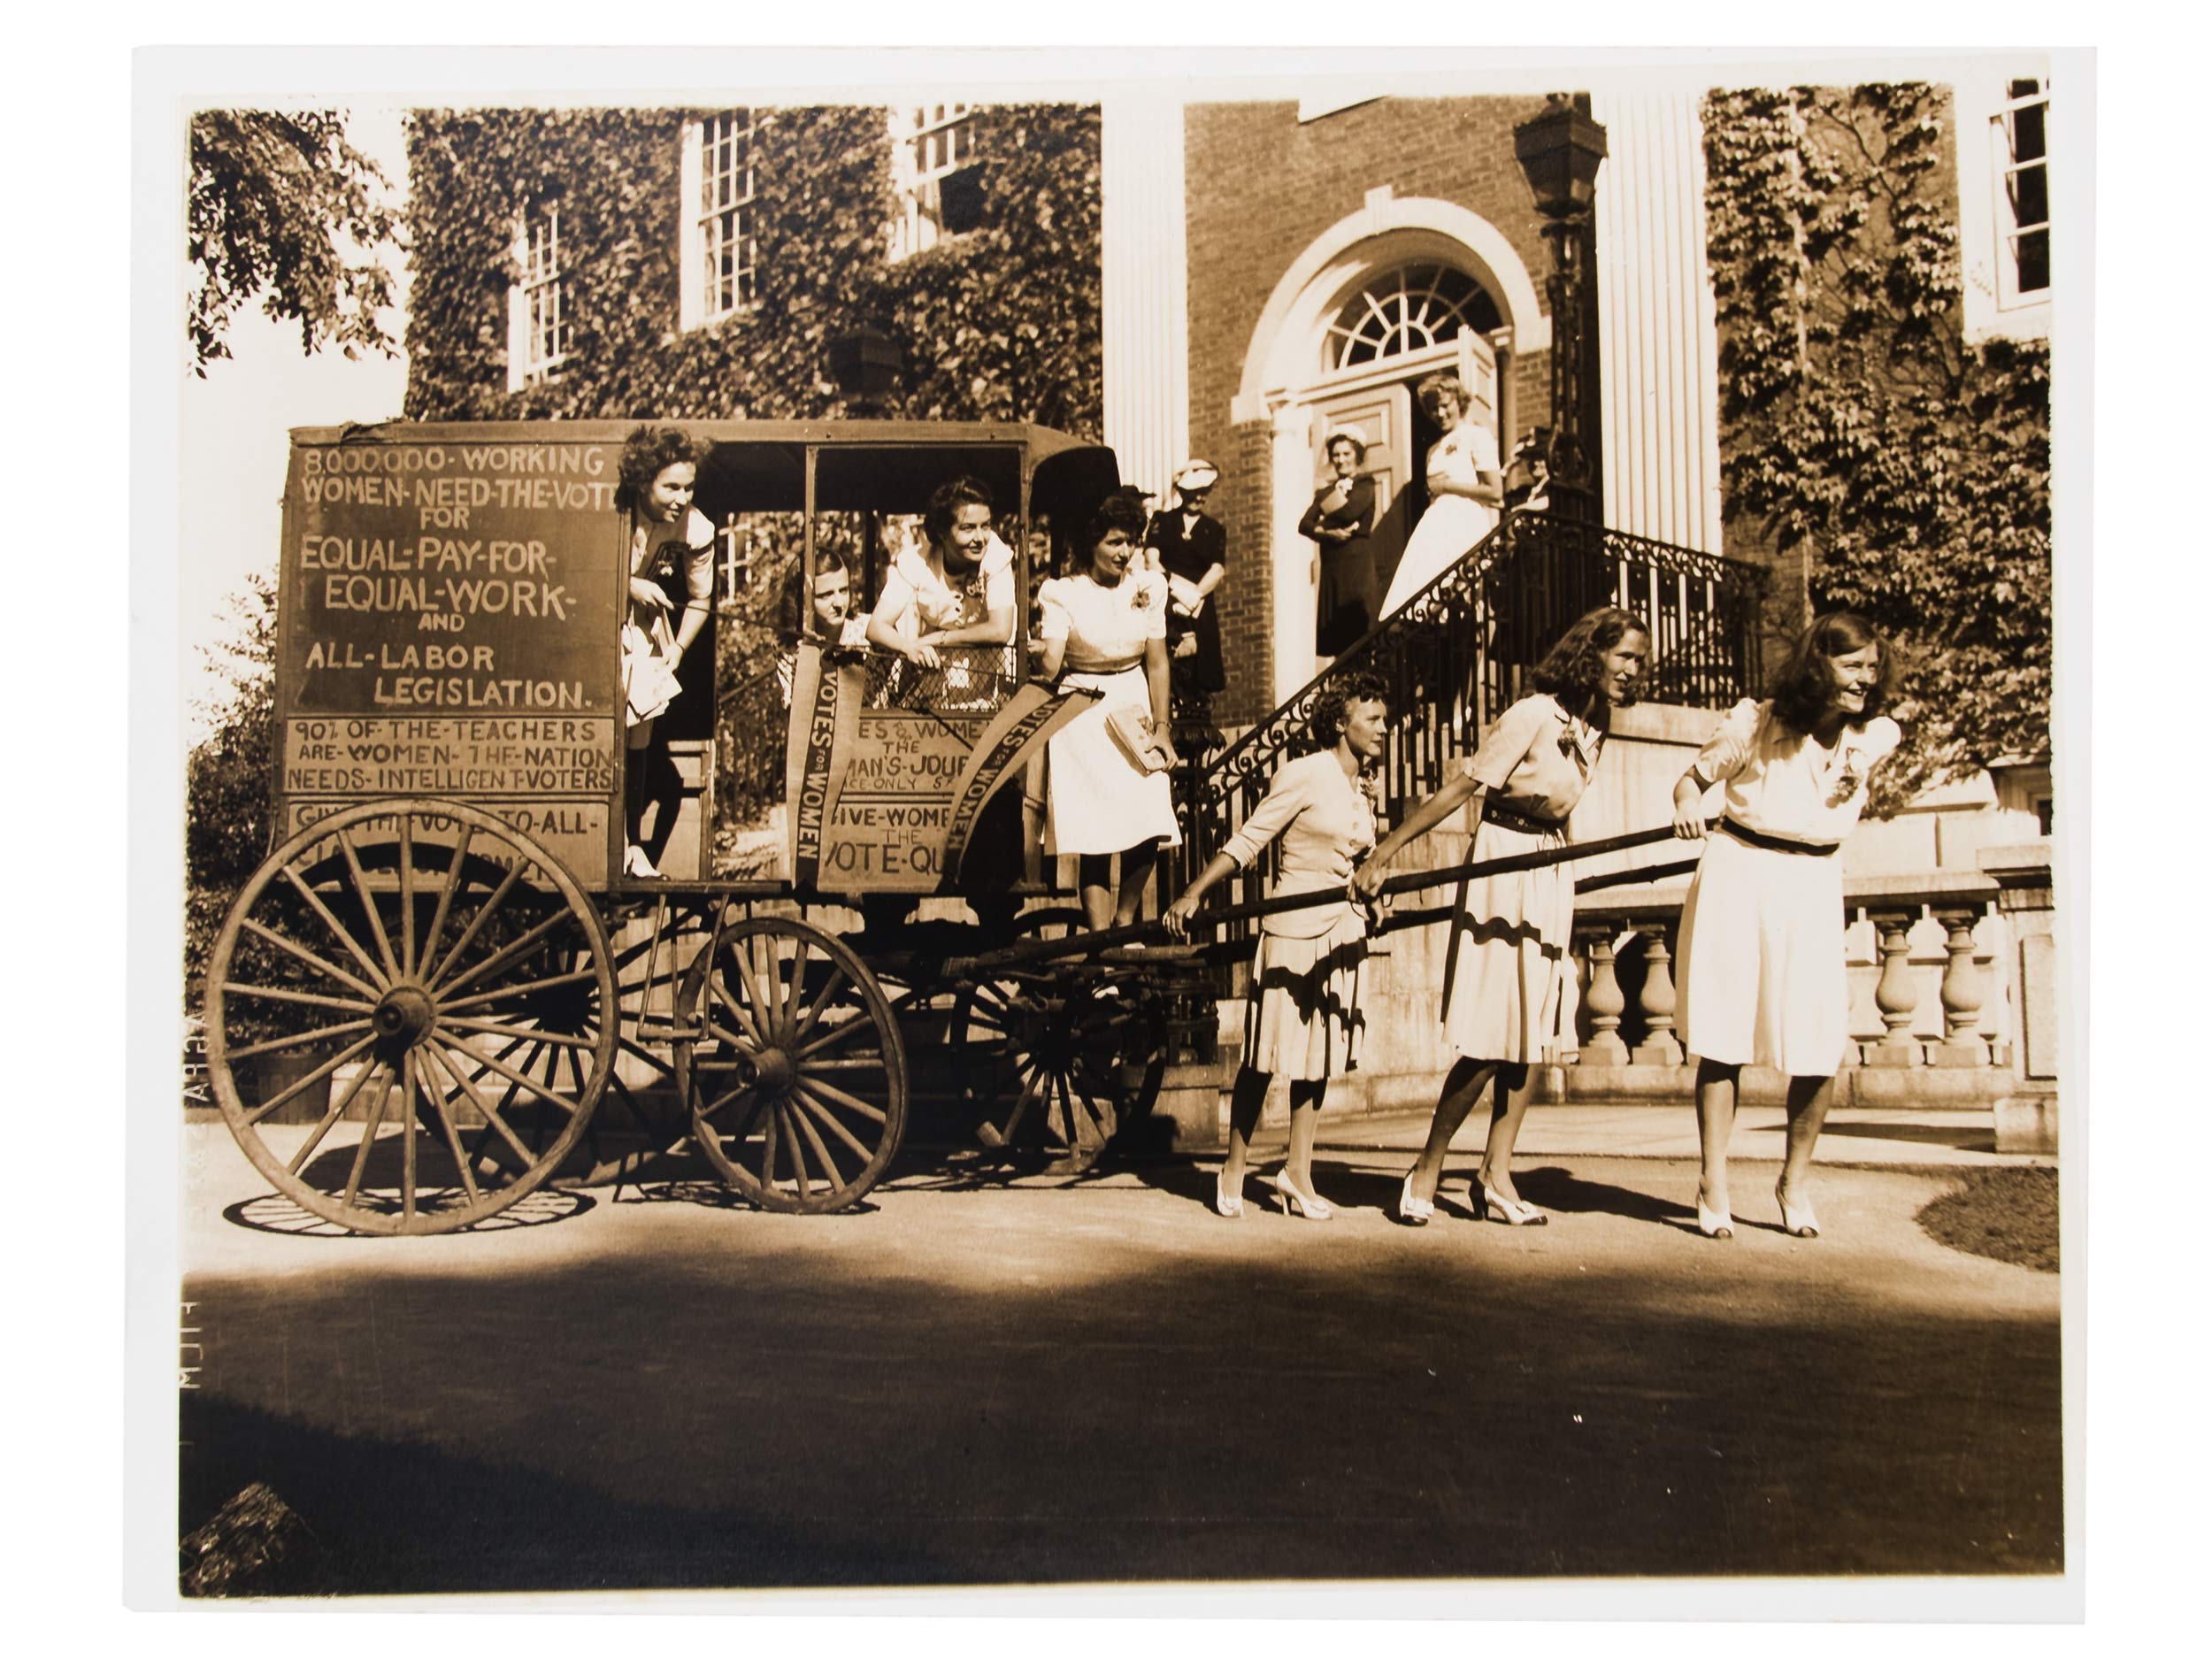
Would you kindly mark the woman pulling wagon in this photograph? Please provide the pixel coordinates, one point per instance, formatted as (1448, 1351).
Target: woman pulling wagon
(1506, 977)
(1303, 1016)
(1761, 954)
(658, 472)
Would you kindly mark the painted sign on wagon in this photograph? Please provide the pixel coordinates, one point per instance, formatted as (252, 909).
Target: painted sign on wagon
(450, 624)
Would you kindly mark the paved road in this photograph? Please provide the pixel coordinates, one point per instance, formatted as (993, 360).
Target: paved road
(1108, 1383)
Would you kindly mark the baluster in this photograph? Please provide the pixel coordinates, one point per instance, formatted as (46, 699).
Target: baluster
(1962, 1042)
(1604, 999)
(1656, 1003)
(1895, 993)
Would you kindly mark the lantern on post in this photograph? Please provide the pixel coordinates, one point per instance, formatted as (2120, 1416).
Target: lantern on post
(1560, 152)
(866, 365)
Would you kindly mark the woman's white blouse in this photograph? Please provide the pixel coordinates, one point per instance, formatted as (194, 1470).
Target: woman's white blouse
(1327, 822)
(1104, 628)
(1537, 758)
(1781, 783)
(1462, 453)
(916, 600)
(654, 548)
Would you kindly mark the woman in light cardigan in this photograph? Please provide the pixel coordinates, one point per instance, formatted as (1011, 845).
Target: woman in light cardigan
(1303, 1017)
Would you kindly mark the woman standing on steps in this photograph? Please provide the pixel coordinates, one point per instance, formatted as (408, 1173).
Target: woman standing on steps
(1763, 978)
(1303, 1017)
(1508, 966)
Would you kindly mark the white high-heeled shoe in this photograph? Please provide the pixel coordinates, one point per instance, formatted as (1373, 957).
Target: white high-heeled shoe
(1513, 1212)
(1798, 1220)
(1414, 1212)
(1714, 1223)
(1300, 1202)
(1227, 1203)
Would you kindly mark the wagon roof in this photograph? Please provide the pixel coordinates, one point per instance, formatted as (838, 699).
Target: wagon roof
(1040, 441)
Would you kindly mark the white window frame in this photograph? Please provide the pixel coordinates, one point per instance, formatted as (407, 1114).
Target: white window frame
(537, 302)
(2004, 165)
(916, 173)
(1983, 110)
(705, 223)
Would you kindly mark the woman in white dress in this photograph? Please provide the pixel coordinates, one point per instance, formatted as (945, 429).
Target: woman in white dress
(1466, 489)
(654, 485)
(1303, 1017)
(1762, 975)
(1105, 629)
(1506, 977)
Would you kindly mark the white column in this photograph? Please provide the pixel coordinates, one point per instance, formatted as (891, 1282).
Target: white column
(1146, 293)
(1658, 348)
(1291, 489)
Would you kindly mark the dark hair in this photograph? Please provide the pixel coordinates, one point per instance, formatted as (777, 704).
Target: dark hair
(1805, 682)
(795, 605)
(1325, 724)
(1120, 510)
(1359, 449)
(647, 453)
(1571, 668)
(947, 500)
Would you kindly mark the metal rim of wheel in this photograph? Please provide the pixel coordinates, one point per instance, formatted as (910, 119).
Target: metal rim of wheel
(798, 1081)
(1047, 1056)
(436, 955)
(633, 1135)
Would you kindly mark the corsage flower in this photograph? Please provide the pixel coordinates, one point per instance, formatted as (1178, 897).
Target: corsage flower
(1142, 600)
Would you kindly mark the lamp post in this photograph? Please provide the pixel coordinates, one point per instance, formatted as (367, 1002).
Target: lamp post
(866, 365)
(1560, 152)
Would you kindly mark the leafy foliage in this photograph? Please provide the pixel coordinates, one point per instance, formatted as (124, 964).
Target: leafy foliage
(1000, 322)
(274, 196)
(1857, 420)
(226, 825)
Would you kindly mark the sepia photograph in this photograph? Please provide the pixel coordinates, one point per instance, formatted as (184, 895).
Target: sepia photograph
(1062, 822)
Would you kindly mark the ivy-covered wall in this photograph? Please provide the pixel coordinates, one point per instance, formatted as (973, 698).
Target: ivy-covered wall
(1000, 322)
(1873, 456)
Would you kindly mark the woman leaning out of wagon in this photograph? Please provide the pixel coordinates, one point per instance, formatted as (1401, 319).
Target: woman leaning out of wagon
(1506, 971)
(1104, 629)
(1303, 1019)
(658, 471)
(1762, 968)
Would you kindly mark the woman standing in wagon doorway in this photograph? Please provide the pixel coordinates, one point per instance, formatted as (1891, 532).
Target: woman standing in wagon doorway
(1340, 519)
(668, 537)
(1466, 490)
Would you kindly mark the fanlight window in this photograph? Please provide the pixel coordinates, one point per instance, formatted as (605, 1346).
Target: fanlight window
(1405, 310)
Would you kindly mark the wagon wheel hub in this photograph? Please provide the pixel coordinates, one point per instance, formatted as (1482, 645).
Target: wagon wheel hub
(770, 1070)
(404, 1014)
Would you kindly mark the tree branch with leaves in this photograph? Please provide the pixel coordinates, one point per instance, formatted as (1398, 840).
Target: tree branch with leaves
(284, 209)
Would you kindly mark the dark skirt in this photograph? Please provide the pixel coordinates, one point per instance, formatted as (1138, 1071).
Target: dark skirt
(1349, 595)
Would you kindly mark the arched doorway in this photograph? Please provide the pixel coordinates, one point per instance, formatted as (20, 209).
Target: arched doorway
(1391, 294)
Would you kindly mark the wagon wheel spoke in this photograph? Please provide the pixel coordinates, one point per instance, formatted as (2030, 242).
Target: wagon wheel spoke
(364, 1146)
(805, 1096)
(492, 1121)
(407, 1139)
(485, 911)
(790, 1122)
(508, 955)
(309, 1081)
(336, 1109)
(302, 953)
(850, 1103)
(533, 988)
(450, 886)
(307, 999)
(462, 1162)
(766, 1020)
(739, 1012)
(368, 903)
(857, 1026)
(336, 928)
(836, 981)
(299, 1039)
(558, 1039)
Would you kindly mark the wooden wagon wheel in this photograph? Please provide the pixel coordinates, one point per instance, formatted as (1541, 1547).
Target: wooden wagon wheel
(1057, 1058)
(798, 1085)
(435, 992)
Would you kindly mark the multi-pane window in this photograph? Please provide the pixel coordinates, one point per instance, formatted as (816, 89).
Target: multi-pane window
(2022, 154)
(728, 219)
(545, 319)
(936, 162)
(1405, 310)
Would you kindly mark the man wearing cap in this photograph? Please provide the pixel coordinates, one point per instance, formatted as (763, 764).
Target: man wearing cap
(1192, 548)
(1342, 516)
